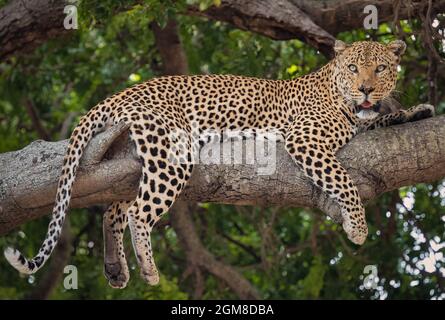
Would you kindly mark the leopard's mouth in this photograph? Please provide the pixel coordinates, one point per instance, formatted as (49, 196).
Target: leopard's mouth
(367, 105)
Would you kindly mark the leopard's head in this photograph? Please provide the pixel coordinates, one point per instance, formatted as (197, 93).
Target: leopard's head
(365, 72)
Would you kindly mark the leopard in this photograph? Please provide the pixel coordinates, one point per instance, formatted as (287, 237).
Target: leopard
(316, 114)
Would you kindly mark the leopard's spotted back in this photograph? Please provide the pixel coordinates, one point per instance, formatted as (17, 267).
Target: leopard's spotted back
(210, 102)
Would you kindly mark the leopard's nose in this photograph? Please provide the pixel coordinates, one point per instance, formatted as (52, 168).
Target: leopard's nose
(366, 90)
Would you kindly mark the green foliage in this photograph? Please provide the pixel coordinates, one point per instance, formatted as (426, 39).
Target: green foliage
(285, 253)
(313, 282)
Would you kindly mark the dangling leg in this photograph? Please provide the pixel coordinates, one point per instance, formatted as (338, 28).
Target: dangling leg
(155, 198)
(162, 180)
(115, 264)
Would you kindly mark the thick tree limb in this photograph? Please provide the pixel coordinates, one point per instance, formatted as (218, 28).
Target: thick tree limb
(378, 161)
(279, 19)
(314, 22)
(26, 24)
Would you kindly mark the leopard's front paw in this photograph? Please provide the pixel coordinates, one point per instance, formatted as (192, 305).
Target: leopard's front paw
(356, 233)
(421, 111)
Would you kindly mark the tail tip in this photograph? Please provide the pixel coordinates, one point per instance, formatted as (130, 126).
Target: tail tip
(10, 254)
(17, 260)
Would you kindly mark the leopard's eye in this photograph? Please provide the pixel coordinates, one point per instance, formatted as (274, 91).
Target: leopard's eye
(380, 68)
(352, 67)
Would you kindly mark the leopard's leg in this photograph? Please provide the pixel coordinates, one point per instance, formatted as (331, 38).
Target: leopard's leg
(161, 182)
(114, 224)
(422, 111)
(320, 165)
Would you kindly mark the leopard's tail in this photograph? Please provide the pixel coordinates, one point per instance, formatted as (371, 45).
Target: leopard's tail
(92, 123)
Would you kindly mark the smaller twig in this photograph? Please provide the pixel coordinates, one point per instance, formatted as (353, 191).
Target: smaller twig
(198, 255)
(68, 86)
(396, 21)
(314, 234)
(36, 123)
(295, 248)
(249, 249)
(199, 285)
(268, 239)
(65, 129)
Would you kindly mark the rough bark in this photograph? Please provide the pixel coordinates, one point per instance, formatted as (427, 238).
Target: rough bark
(378, 161)
(26, 24)
(280, 19)
(168, 43)
(309, 20)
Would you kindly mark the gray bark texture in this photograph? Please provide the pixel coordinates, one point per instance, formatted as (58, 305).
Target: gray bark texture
(26, 24)
(378, 161)
(314, 22)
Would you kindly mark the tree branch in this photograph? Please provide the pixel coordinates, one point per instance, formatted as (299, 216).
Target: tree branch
(22, 28)
(279, 19)
(378, 161)
(314, 22)
(168, 43)
(35, 120)
(26, 24)
(199, 257)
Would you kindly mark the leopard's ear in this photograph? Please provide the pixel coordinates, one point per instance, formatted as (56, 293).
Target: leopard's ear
(339, 47)
(397, 47)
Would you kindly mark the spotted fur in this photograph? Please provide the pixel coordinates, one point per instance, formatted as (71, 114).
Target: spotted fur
(316, 114)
